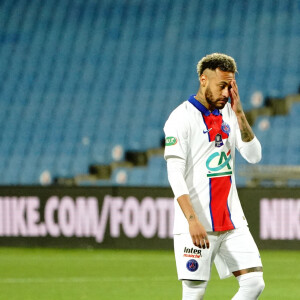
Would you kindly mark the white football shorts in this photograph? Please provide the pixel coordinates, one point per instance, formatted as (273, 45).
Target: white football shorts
(231, 251)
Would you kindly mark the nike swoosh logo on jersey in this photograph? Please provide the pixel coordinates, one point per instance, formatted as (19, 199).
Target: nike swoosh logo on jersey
(206, 131)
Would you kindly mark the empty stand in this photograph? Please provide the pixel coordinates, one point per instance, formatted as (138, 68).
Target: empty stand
(80, 77)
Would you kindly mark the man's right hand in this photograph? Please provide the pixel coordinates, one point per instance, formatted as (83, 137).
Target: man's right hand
(198, 233)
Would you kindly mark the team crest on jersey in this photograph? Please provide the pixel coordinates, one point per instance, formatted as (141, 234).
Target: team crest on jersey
(218, 164)
(225, 128)
(170, 141)
(192, 265)
(218, 140)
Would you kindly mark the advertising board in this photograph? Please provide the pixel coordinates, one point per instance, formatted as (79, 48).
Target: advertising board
(130, 217)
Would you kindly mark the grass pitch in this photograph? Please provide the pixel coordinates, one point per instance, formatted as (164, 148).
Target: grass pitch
(55, 274)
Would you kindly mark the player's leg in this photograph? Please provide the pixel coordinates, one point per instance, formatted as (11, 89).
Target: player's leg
(251, 286)
(193, 265)
(193, 289)
(239, 253)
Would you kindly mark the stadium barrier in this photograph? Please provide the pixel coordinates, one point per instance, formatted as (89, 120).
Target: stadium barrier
(130, 217)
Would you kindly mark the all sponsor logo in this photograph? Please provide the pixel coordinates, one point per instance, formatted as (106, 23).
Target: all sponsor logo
(280, 219)
(82, 217)
(218, 164)
(206, 131)
(218, 140)
(192, 265)
(170, 141)
(192, 252)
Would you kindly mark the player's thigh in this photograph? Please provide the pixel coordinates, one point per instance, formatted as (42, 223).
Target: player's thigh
(239, 250)
(192, 262)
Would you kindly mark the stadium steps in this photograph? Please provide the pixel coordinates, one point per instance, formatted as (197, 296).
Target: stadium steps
(140, 168)
(144, 167)
(67, 67)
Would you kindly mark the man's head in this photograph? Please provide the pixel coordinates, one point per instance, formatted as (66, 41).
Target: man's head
(216, 72)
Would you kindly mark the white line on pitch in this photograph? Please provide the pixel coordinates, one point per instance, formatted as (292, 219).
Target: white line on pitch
(82, 279)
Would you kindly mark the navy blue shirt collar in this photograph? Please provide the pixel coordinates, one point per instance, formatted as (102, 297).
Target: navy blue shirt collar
(201, 107)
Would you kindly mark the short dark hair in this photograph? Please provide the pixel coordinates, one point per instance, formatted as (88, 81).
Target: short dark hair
(216, 60)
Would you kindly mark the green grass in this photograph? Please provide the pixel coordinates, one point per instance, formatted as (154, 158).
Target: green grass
(114, 274)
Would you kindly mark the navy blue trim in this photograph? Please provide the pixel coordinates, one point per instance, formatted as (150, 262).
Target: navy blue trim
(211, 216)
(201, 107)
(228, 206)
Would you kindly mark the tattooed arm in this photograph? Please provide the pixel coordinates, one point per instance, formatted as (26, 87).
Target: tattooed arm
(250, 148)
(246, 131)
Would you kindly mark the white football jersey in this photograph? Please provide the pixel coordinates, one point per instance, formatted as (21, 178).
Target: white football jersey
(206, 141)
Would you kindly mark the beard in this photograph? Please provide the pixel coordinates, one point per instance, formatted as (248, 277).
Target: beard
(218, 103)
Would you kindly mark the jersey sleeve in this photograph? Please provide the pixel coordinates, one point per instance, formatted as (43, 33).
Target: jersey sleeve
(176, 170)
(176, 136)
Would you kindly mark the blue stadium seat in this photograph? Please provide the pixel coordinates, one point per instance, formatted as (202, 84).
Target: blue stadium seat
(78, 78)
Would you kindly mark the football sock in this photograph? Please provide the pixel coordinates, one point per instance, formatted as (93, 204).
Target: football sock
(193, 289)
(251, 286)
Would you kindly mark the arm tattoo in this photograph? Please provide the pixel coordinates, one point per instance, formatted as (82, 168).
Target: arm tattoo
(191, 217)
(246, 131)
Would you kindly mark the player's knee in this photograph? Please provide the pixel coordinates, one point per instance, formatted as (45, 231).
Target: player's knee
(193, 289)
(251, 286)
(260, 285)
(254, 285)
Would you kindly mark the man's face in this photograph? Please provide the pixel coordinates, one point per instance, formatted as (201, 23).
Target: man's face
(217, 88)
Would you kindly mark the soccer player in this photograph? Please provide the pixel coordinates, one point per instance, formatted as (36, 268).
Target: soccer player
(201, 136)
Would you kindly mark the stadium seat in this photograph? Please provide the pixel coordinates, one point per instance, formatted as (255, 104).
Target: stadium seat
(80, 78)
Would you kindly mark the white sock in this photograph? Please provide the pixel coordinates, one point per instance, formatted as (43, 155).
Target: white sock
(193, 289)
(251, 286)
